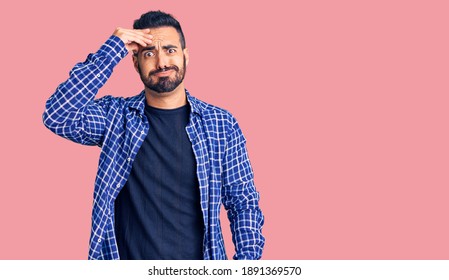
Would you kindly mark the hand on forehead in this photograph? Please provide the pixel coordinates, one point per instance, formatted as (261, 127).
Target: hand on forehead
(164, 36)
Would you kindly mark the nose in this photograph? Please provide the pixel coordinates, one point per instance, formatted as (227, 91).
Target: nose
(162, 60)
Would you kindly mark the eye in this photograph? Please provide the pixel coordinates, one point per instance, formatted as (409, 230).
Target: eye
(148, 54)
(171, 50)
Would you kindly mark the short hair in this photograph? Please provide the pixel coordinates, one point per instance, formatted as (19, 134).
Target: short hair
(155, 19)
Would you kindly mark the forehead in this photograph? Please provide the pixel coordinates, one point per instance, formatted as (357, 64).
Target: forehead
(165, 35)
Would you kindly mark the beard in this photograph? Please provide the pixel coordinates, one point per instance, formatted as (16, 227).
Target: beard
(164, 84)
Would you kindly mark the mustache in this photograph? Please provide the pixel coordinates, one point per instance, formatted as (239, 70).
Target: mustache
(174, 67)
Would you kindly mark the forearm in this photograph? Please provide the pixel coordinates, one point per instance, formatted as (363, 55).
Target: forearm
(246, 221)
(85, 80)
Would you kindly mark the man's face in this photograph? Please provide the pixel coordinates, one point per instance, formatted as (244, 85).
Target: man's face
(162, 64)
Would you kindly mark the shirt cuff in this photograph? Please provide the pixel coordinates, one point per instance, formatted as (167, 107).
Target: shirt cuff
(113, 49)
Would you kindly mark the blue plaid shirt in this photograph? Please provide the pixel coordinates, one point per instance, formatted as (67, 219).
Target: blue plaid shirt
(116, 125)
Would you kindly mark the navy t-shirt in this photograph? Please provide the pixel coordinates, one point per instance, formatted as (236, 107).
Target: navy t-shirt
(157, 213)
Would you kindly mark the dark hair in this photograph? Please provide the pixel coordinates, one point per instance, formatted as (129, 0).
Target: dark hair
(154, 19)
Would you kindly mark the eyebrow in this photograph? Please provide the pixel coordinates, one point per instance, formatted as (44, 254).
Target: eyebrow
(166, 47)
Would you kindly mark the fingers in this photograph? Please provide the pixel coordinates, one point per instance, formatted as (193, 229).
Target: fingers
(142, 37)
(134, 37)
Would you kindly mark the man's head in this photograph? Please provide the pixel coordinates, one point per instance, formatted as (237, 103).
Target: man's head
(162, 64)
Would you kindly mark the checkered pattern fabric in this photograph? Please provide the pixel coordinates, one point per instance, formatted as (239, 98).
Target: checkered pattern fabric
(118, 126)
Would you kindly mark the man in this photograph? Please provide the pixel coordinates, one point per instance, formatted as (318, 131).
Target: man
(168, 160)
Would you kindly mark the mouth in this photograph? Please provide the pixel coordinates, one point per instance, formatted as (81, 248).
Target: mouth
(167, 71)
(164, 73)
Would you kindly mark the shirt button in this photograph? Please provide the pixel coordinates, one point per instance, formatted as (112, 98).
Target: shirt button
(99, 239)
(98, 75)
(129, 159)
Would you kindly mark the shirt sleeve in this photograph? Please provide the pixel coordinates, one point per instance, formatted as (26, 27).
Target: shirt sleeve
(72, 112)
(241, 200)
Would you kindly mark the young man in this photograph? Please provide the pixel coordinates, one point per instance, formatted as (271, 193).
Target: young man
(168, 160)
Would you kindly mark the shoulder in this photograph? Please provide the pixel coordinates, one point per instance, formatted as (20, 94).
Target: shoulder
(218, 121)
(121, 102)
(212, 113)
(109, 101)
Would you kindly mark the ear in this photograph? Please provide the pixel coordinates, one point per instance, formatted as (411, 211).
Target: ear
(136, 62)
(186, 54)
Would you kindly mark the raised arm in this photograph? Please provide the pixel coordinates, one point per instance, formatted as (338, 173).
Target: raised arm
(72, 111)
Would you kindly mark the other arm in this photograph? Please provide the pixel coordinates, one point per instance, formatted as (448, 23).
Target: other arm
(241, 199)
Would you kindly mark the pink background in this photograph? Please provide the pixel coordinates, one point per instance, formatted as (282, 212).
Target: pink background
(343, 103)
